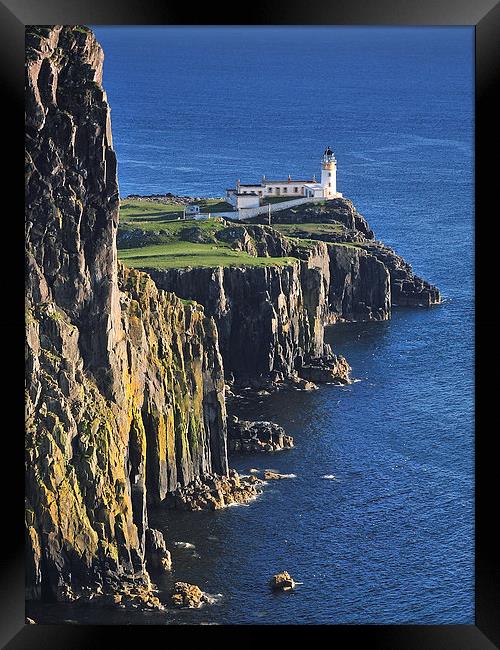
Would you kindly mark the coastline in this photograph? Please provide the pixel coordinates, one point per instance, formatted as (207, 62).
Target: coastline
(186, 338)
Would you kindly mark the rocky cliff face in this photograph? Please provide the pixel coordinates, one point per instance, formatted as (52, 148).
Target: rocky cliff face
(124, 383)
(406, 289)
(270, 319)
(359, 287)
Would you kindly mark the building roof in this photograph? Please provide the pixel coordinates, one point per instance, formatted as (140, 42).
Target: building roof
(287, 182)
(314, 186)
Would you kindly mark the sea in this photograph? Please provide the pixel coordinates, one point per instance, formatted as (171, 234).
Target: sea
(376, 517)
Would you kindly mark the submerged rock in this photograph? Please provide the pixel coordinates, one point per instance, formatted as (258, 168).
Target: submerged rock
(269, 475)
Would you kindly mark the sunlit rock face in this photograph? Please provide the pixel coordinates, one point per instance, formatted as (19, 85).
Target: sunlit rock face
(124, 382)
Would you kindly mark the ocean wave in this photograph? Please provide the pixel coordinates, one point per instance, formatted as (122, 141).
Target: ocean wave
(212, 599)
(244, 505)
(184, 545)
(330, 477)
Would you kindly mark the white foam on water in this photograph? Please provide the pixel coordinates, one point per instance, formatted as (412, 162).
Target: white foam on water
(212, 599)
(184, 545)
(330, 477)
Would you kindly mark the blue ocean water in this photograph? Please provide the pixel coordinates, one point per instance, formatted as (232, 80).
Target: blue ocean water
(388, 537)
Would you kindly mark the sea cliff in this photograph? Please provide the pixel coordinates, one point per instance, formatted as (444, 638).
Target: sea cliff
(127, 370)
(270, 319)
(124, 382)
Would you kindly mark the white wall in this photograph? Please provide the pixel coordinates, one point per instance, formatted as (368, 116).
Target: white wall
(250, 201)
(247, 213)
(329, 182)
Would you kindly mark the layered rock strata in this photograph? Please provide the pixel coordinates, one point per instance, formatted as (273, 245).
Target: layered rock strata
(270, 319)
(406, 289)
(124, 382)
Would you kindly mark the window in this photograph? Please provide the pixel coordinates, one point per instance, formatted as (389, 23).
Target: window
(285, 190)
(270, 190)
(295, 189)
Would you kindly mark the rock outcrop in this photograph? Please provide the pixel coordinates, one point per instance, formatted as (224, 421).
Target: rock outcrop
(282, 582)
(124, 382)
(270, 319)
(214, 492)
(187, 595)
(360, 287)
(407, 289)
(157, 556)
(249, 436)
(362, 294)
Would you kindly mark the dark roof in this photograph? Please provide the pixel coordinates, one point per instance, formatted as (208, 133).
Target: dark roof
(288, 182)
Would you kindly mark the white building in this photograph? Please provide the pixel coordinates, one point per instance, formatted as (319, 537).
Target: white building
(191, 210)
(250, 196)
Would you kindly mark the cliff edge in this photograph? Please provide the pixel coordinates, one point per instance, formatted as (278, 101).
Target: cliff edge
(124, 382)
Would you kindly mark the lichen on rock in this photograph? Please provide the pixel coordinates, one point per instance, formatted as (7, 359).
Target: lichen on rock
(124, 382)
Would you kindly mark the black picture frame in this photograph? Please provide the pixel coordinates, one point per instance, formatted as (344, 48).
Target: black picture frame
(485, 16)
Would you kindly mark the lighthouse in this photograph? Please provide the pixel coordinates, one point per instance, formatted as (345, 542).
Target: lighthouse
(329, 174)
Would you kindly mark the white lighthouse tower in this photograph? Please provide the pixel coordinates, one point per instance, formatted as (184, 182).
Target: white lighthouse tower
(329, 174)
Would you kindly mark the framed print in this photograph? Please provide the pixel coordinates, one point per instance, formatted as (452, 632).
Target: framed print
(255, 314)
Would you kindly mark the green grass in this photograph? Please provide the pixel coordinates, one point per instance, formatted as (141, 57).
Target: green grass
(182, 254)
(147, 215)
(214, 205)
(173, 251)
(173, 228)
(156, 215)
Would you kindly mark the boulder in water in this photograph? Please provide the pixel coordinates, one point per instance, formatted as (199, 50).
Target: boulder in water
(187, 595)
(282, 582)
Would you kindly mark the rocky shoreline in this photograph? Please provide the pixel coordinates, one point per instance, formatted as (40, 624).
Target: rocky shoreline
(128, 373)
(213, 492)
(250, 436)
(170, 198)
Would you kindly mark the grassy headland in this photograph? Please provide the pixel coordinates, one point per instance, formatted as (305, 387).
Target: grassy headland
(154, 235)
(182, 254)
